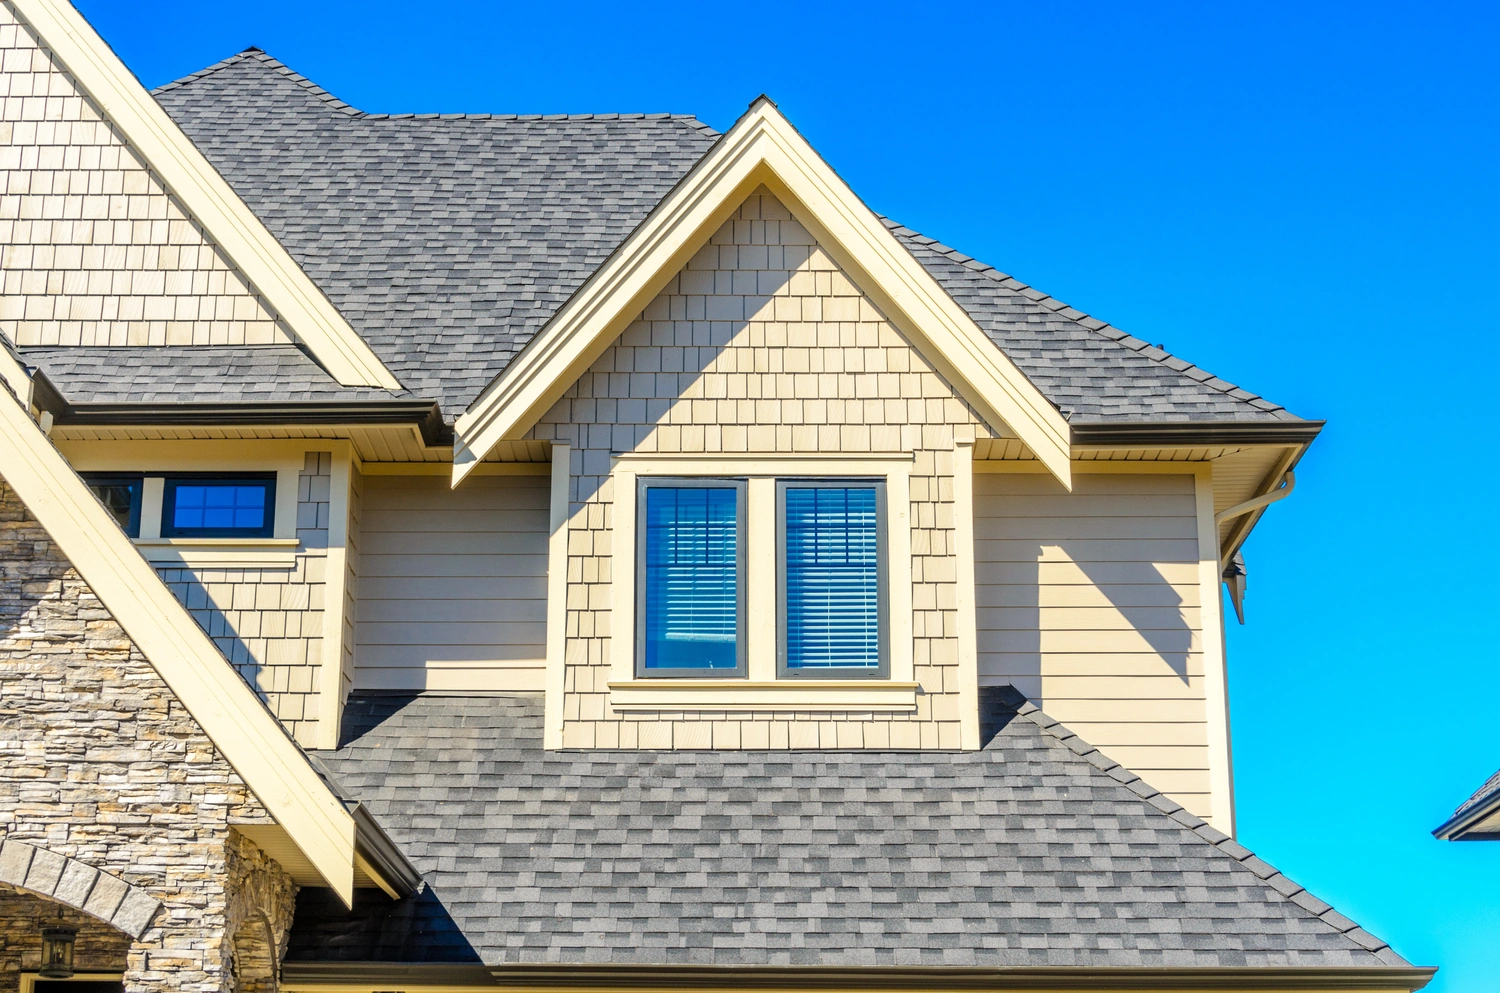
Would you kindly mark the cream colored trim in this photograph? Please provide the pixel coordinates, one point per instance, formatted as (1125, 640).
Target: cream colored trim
(1097, 468)
(335, 579)
(446, 469)
(204, 194)
(220, 553)
(15, 377)
(557, 599)
(191, 455)
(153, 492)
(762, 471)
(220, 701)
(761, 148)
(965, 598)
(741, 695)
(1215, 673)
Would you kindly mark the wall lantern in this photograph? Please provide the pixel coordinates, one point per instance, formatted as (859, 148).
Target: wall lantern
(57, 952)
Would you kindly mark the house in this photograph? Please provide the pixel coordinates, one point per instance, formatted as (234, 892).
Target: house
(1477, 818)
(464, 552)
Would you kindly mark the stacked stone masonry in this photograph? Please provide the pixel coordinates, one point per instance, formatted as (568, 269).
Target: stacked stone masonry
(269, 622)
(762, 344)
(100, 763)
(96, 251)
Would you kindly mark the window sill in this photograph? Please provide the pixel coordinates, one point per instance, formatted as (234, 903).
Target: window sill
(220, 553)
(881, 696)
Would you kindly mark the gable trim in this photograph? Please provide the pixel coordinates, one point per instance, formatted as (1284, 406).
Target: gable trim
(191, 665)
(204, 194)
(761, 149)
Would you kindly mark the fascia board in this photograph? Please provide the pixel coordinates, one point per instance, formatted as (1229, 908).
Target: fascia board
(189, 663)
(761, 148)
(205, 194)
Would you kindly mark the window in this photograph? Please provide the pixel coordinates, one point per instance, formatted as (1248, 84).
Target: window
(831, 583)
(121, 496)
(218, 506)
(690, 585)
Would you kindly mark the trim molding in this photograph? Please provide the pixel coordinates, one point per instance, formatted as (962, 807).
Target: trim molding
(761, 148)
(365, 976)
(1178, 434)
(204, 193)
(422, 413)
(785, 695)
(191, 665)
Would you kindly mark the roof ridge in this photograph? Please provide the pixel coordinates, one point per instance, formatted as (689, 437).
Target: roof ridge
(274, 64)
(1267, 873)
(1102, 328)
(271, 62)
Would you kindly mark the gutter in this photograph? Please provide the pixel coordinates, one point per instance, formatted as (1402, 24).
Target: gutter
(383, 861)
(389, 975)
(1192, 434)
(1456, 828)
(423, 413)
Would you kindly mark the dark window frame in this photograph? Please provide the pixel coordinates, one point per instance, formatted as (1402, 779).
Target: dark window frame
(171, 482)
(741, 488)
(882, 581)
(132, 528)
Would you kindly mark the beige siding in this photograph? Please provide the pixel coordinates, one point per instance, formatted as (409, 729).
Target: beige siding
(269, 622)
(1089, 603)
(452, 584)
(95, 250)
(761, 344)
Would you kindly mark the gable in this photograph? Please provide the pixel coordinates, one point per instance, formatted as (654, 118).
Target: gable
(762, 149)
(118, 232)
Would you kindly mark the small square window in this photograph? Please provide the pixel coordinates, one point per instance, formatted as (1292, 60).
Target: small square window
(121, 496)
(831, 579)
(218, 506)
(691, 578)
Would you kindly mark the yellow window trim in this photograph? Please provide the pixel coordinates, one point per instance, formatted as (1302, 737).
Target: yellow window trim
(761, 471)
(250, 739)
(879, 696)
(210, 200)
(761, 149)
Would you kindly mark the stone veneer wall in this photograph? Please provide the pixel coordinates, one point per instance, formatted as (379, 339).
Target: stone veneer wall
(761, 344)
(269, 622)
(99, 948)
(100, 762)
(95, 250)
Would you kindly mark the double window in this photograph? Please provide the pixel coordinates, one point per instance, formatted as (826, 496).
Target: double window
(831, 603)
(193, 505)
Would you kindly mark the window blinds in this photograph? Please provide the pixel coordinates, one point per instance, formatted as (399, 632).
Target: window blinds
(832, 578)
(692, 578)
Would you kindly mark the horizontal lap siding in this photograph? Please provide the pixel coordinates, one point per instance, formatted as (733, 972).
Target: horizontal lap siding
(1089, 603)
(453, 584)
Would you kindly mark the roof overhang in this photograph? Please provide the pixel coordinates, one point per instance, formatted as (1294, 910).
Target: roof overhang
(366, 976)
(205, 195)
(249, 737)
(423, 413)
(1175, 434)
(761, 149)
(1480, 822)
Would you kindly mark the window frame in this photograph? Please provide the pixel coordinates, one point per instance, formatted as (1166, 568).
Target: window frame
(133, 527)
(882, 580)
(171, 481)
(740, 486)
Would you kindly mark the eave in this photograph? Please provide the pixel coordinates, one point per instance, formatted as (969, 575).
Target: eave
(335, 977)
(425, 414)
(1481, 822)
(1194, 434)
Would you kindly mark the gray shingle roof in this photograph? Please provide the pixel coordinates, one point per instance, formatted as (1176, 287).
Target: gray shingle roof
(178, 374)
(1490, 788)
(1035, 851)
(449, 240)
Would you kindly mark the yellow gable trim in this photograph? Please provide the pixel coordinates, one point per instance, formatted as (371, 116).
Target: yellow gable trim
(191, 665)
(761, 149)
(204, 193)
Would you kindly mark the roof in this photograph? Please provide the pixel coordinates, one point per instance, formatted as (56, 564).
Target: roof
(449, 240)
(1034, 851)
(1467, 821)
(183, 374)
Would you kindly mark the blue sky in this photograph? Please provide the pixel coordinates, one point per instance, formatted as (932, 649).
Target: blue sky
(1300, 197)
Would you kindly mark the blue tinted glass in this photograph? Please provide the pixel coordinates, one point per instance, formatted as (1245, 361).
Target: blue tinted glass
(692, 578)
(219, 506)
(832, 578)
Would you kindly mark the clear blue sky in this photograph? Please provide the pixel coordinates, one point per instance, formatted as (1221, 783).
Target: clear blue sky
(1300, 197)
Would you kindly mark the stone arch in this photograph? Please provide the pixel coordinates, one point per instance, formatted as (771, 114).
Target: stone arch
(254, 957)
(77, 884)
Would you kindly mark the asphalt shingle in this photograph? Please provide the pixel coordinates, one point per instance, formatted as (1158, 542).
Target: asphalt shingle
(1032, 851)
